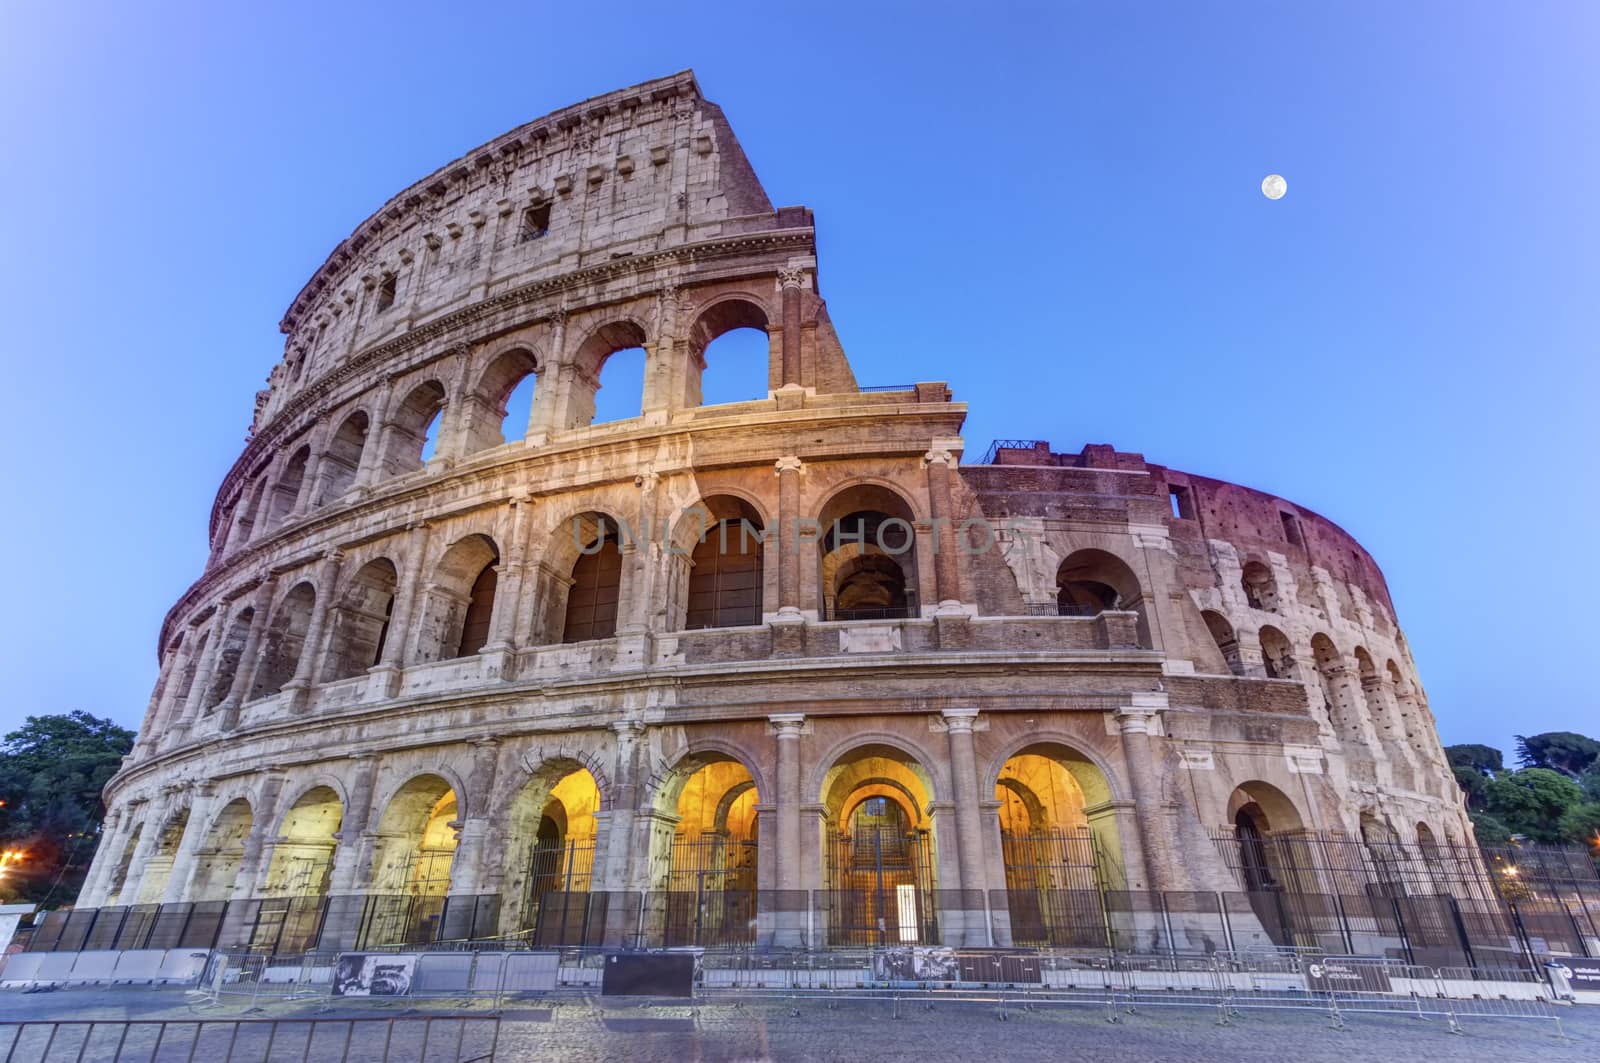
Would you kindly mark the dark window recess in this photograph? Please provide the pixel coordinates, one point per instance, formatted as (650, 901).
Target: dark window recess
(725, 580)
(592, 598)
(1182, 503)
(480, 609)
(535, 223)
(1291, 529)
(386, 288)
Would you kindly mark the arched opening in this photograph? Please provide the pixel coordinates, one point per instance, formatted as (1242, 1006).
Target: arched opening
(1268, 855)
(217, 861)
(284, 641)
(868, 565)
(1059, 845)
(189, 665)
(711, 867)
(342, 460)
(1260, 588)
(1330, 682)
(414, 429)
(361, 620)
(502, 403)
(731, 355)
(1091, 582)
(228, 660)
(549, 858)
(718, 579)
(609, 376)
(880, 869)
(459, 604)
(1371, 700)
(1405, 701)
(302, 856)
(1277, 655)
(412, 862)
(158, 865)
(594, 589)
(287, 490)
(1227, 644)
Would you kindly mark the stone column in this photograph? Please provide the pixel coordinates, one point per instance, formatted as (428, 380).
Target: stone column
(788, 469)
(195, 701)
(256, 860)
(620, 869)
(244, 673)
(194, 835)
(370, 464)
(154, 820)
(308, 494)
(790, 926)
(386, 673)
(157, 713)
(634, 604)
(1135, 722)
(348, 866)
(466, 867)
(969, 821)
(792, 282)
(504, 636)
(947, 579)
(110, 846)
(309, 668)
(544, 414)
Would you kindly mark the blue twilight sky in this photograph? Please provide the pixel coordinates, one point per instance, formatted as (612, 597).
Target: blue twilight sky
(1055, 207)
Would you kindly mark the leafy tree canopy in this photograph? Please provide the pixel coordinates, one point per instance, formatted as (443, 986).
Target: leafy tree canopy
(1531, 801)
(1564, 751)
(1473, 783)
(1477, 757)
(52, 770)
(1580, 824)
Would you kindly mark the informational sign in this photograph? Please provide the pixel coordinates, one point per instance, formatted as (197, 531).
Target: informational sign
(1574, 976)
(1342, 976)
(648, 974)
(908, 963)
(361, 974)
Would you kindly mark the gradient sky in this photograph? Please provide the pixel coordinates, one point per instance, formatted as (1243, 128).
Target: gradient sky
(1054, 207)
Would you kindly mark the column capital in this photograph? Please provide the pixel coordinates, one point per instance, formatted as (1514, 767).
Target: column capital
(791, 278)
(959, 721)
(788, 463)
(627, 730)
(787, 724)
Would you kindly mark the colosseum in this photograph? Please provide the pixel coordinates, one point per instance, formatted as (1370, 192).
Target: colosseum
(790, 671)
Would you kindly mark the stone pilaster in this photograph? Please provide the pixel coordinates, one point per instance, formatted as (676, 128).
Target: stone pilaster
(244, 673)
(1135, 722)
(947, 576)
(308, 670)
(256, 859)
(386, 673)
(788, 471)
(194, 835)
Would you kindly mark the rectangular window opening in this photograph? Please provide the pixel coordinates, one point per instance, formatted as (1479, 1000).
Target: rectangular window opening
(1182, 503)
(386, 289)
(1291, 528)
(535, 223)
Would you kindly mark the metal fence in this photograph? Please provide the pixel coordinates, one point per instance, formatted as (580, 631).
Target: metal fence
(434, 1038)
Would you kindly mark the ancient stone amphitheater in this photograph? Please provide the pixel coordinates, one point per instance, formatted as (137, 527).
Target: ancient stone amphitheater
(790, 670)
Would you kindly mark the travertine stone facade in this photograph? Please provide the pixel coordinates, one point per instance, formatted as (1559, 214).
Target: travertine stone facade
(392, 664)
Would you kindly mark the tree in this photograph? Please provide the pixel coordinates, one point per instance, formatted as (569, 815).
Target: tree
(1473, 783)
(52, 770)
(1476, 757)
(1580, 824)
(1531, 801)
(1489, 831)
(1564, 751)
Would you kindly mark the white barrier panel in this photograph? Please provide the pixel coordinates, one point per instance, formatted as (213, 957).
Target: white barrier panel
(21, 968)
(142, 965)
(486, 973)
(93, 967)
(442, 972)
(183, 965)
(532, 972)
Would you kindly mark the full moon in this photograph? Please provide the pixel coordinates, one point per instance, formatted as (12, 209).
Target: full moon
(1273, 186)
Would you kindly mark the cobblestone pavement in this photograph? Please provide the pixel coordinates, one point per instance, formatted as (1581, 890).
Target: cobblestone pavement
(588, 1029)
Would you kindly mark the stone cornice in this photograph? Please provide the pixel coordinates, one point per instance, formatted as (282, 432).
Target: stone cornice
(505, 145)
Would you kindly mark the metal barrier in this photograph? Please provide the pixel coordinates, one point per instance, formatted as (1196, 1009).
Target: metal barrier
(435, 1038)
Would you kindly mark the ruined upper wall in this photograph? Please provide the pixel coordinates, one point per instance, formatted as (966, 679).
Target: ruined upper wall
(628, 173)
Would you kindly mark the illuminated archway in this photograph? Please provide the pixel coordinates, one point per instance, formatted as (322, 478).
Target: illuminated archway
(712, 861)
(879, 856)
(550, 857)
(413, 860)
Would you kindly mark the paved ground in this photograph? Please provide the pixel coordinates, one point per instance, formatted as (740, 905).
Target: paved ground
(583, 1029)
